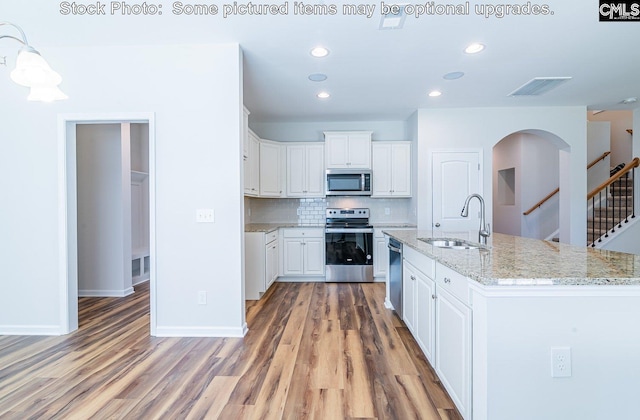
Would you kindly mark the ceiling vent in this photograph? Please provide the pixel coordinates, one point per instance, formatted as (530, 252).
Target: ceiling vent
(539, 85)
(394, 18)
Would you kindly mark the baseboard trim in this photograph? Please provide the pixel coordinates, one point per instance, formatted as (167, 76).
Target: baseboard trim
(144, 280)
(105, 293)
(388, 305)
(30, 330)
(201, 331)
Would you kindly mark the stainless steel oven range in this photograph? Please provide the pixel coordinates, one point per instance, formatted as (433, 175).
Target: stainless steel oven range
(349, 245)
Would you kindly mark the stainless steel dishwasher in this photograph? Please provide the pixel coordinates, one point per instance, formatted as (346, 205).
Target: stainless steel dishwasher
(395, 275)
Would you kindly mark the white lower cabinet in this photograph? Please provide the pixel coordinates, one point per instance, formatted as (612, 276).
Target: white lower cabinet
(303, 252)
(261, 263)
(436, 310)
(380, 254)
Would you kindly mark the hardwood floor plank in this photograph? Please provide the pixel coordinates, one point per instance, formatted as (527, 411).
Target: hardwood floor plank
(313, 351)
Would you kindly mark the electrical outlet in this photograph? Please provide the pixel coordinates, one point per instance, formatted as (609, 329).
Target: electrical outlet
(204, 216)
(560, 362)
(202, 297)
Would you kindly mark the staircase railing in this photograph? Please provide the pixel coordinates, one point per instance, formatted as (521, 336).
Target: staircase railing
(620, 214)
(557, 190)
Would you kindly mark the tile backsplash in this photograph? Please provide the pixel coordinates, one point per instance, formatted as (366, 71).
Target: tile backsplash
(311, 211)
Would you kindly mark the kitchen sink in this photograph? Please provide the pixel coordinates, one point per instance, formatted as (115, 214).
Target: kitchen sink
(450, 243)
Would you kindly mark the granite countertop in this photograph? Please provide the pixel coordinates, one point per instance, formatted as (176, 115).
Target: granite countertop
(270, 227)
(516, 261)
(393, 225)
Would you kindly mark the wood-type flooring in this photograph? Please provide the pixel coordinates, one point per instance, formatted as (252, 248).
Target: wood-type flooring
(313, 351)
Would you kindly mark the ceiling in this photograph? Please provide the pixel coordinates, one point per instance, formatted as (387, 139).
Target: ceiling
(378, 74)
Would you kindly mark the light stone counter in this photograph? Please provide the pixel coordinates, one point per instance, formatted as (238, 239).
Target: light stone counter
(270, 227)
(516, 261)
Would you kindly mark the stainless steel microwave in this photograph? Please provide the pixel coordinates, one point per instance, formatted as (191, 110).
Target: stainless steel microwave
(348, 182)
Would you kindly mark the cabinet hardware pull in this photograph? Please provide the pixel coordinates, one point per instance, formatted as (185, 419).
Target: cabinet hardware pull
(437, 224)
(433, 296)
(447, 280)
(413, 277)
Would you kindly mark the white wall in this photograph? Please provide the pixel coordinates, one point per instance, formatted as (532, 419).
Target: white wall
(508, 154)
(195, 92)
(621, 140)
(104, 230)
(313, 131)
(598, 142)
(483, 127)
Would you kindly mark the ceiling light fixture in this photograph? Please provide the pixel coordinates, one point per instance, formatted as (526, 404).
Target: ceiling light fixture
(435, 93)
(317, 77)
(474, 48)
(33, 71)
(323, 95)
(319, 52)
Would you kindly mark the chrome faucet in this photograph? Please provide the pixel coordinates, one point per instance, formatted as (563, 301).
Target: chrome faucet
(483, 233)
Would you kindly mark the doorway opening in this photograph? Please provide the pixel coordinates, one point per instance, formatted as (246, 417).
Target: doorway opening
(107, 222)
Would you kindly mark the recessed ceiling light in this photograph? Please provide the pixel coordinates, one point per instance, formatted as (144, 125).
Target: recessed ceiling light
(453, 75)
(435, 93)
(474, 48)
(317, 77)
(323, 95)
(319, 52)
(631, 100)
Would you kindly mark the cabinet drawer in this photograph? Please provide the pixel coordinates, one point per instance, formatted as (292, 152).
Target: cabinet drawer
(454, 282)
(420, 261)
(303, 233)
(271, 236)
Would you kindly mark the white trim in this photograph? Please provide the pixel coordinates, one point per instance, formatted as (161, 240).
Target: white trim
(387, 304)
(555, 234)
(31, 330)
(105, 293)
(201, 331)
(301, 279)
(66, 323)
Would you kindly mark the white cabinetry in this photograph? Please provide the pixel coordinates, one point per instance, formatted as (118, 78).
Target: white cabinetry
(305, 170)
(380, 254)
(252, 165)
(436, 311)
(391, 169)
(348, 149)
(453, 336)
(270, 174)
(261, 262)
(303, 252)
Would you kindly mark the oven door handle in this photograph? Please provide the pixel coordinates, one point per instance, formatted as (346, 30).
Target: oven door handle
(341, 230)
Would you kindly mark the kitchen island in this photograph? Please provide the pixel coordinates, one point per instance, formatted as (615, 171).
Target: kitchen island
(524, 328)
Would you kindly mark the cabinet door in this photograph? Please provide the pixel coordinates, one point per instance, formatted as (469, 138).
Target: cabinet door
(400, 170)
(425, 314)
(271, 263)
(409, 280)
(337, 150)
(270, 185)
(314, 261)
(453, 348)
(254, 164)
(359, 151)
(315, 174)
(296, 171)
(293, 260)
(381, 170)
(380, 257)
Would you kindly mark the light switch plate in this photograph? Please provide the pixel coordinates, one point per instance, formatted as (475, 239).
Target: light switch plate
(204, 216)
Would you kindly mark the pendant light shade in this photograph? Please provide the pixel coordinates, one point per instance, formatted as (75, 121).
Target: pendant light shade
(33, 71)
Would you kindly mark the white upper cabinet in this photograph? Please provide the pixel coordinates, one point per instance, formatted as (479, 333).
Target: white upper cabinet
(305, 170)
(252, 166)
(391, 169)
(348, 149)
(271, 181)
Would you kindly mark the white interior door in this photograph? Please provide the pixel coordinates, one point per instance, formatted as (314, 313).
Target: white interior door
(455, 175)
